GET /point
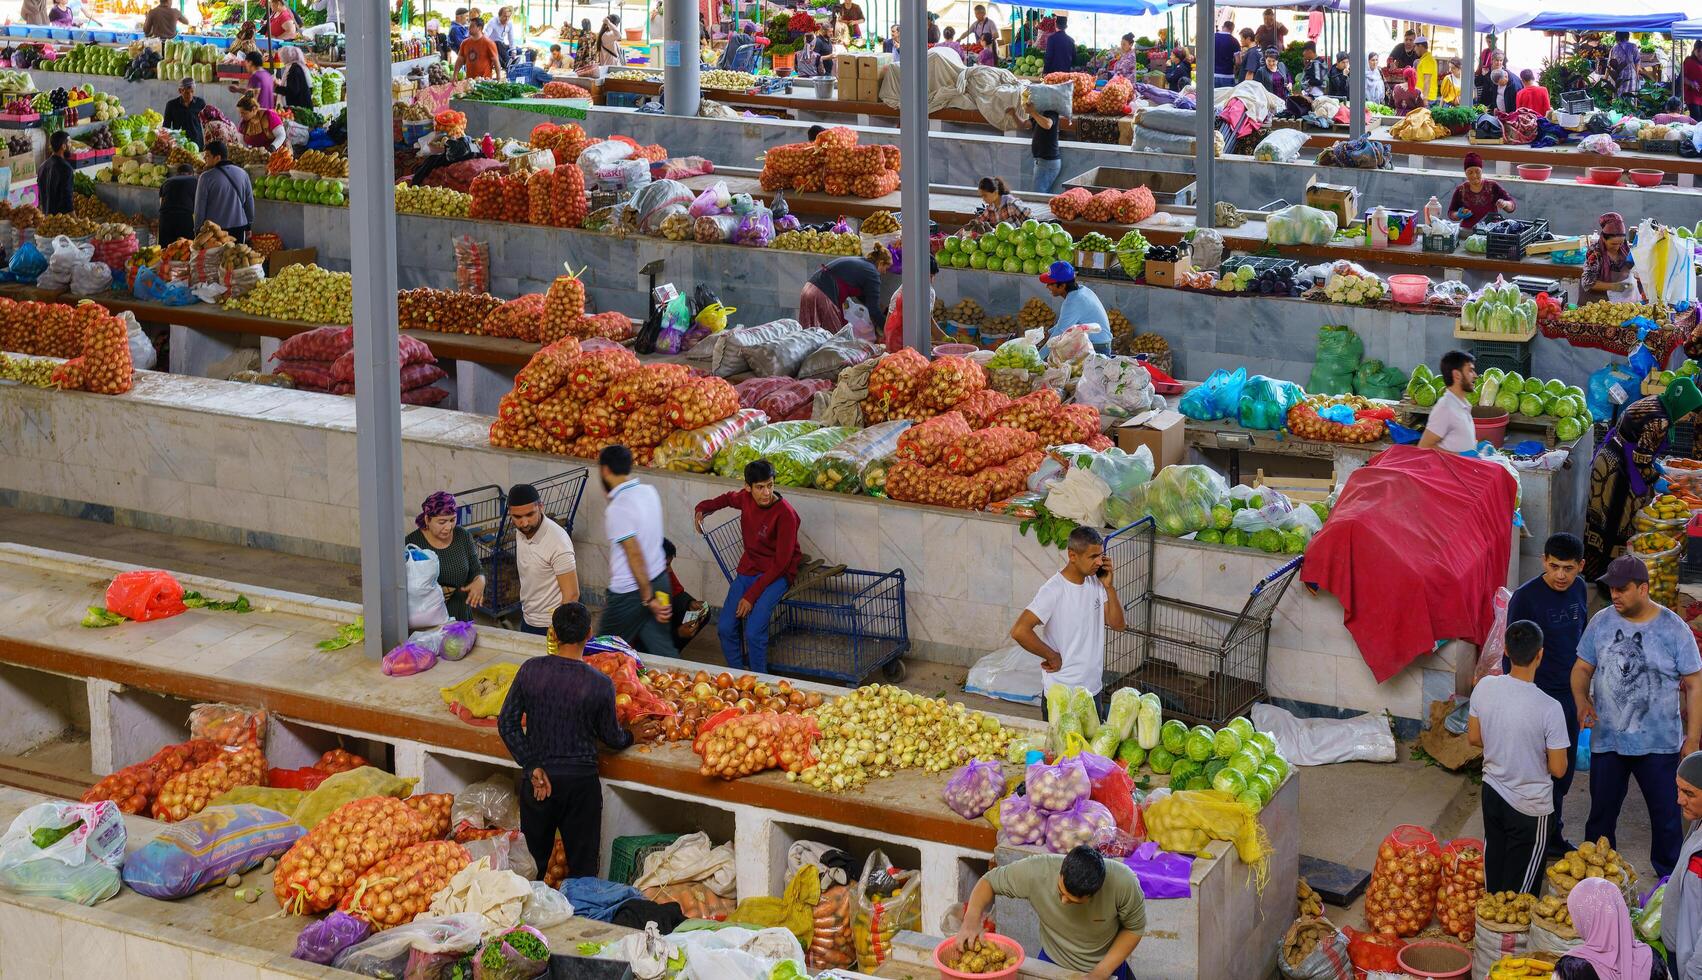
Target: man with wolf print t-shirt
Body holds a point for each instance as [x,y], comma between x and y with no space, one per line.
[1633,661]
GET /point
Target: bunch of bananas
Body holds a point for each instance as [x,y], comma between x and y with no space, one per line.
[1537,966]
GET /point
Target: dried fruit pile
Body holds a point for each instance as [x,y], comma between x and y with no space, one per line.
[834,163]
[443,310]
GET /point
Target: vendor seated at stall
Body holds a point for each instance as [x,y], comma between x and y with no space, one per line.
[1477,198]
[1607,261]
[1091,910]
[1080,306]
[997,204]
[766,568]
[1405,96]
[1622,474]
[1450,427]
[822,302]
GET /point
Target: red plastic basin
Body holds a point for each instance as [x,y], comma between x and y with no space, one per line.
[1535,171]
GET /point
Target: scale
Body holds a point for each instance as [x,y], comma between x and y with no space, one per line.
[1534,285]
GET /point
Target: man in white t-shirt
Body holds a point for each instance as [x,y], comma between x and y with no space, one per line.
[1451,428]
[1522,731]
[543,556]
[1071,612]
[638,569]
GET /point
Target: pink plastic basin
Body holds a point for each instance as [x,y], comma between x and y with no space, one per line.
[1408,288]
[1432,958]
[1605,175]
[1535,171]
[961,350]
[1647,178]
[1010,945]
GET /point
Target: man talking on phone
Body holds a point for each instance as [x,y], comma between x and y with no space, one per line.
[1064,625]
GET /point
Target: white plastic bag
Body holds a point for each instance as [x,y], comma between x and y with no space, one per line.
[1079,496]
[737,953]
[545,907]
[1206,248]
[1011,674]
[647,952]
[1320,741]
[1662,264]
[505,852]
[1299,224]
[861,324]
[386,954]
[492,803]
[81,866]
[89,278]
[1116,386]
[426,607]
[1281,146]
[1072,346]
[142,354]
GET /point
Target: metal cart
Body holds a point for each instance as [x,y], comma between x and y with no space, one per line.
[1207,665]
[841,628]
[483,511]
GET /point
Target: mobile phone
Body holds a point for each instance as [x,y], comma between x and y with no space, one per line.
[1104,568]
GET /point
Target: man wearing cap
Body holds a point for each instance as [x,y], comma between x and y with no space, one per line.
[184,113]
[1341,83]
[1080,306]
[1681,916]
[1425,68]
[1634,660]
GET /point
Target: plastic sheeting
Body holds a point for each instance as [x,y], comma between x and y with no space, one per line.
[1415,548]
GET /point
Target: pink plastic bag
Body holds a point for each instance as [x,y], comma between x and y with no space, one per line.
[1494,646]
[1020,822]
[408,659]
[144,596]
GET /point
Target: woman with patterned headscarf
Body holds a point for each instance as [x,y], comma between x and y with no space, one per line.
[458,568]
[1622,475]
[1607,260]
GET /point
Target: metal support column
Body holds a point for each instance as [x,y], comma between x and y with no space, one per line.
[913,172]
[378,394]
[1356,53]
[680,90]
[1468,51]
[1205,120]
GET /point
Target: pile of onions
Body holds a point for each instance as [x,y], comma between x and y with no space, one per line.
[433,811]
[133,788]
[1402,893]
[339,760]
[739,745]
[319,869]
[879,729]
[396,890]
[1462,886]
[697,697]
[188,793]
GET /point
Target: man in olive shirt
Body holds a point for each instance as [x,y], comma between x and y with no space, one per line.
[1091,911]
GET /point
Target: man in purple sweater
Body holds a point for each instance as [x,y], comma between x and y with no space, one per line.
[557,710]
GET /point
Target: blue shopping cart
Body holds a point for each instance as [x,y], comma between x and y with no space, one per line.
[483,511]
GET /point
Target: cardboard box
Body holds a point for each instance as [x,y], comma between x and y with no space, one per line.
[22,166]
[1126,131]
[1168,273]
[1343,199]
[868,88]
[281,259]
[1160,431]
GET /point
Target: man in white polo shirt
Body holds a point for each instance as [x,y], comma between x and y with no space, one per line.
[638,568]
[543,557]
[1073,608]
[1451,428]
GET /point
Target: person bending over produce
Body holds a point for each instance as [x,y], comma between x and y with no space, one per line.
[822,302]
[766,569]
[1091,910]
[1522,732]
[1477,199]
[997,204]
[1074,607]
[1607,260]
[1681,915]
[892,332]
[1451,428]
[1080,306]
[1622,475]
[557,709]
[1638,684]
[1607,948]
[262,129]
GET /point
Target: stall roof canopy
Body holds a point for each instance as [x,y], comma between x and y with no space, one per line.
[1132,8]
[1493,16]
[1625,15]
[1688,28]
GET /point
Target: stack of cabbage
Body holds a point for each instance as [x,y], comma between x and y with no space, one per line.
[1500,308]
[1234,759]
[1515,395]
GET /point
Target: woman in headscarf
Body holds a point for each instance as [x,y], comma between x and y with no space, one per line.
[1179,73]
[1681,907]
[1477,199]
[1373,79]
[1406,97]
[1607,261]
[1609,950]
[1622,474]
[34,12]
[584,45]
[1127,62]
[458,569]
[298,90]
[609,41]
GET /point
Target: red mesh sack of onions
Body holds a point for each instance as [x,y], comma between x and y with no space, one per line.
[897,376]
[1068,205]
[594,371]
[928,441]
[732,745]
[649,385]
[949,380]
[1402,893]
[981,406]
[1461,887]
[547,371]
[400,887]
[975,451]
[433,810]
[319,869]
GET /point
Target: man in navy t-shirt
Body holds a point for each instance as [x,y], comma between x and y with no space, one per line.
[1558,601]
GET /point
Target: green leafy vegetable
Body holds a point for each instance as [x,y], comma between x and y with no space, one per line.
[46,837]
[98,617]
[347,635]
[196,600]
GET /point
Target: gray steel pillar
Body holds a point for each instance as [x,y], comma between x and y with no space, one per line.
[680,90]
[913,172]
[378,394]
[1205,120]
[1468,51]
[1357,53]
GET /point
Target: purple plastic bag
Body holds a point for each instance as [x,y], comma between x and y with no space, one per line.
[409,658]
[1097,766]
[787,222]
[974,788]
[1080,824]
[321,941]
[1020,822]
[458,640]
[1059,786]
[756,229]
[1162,874]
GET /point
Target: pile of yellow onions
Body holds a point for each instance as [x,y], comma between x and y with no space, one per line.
[877,730]
[319,869]
[400,888]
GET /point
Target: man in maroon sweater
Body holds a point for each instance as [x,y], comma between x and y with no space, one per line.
[766,569]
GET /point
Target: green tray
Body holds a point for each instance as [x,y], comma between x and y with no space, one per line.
[626,856]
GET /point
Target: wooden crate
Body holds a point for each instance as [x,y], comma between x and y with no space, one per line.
[1300,489]
[1462,333]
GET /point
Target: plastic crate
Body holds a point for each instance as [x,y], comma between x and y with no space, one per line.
[1439,243]
[1509,357]
[1260,264]
[483,511]
[627,854]
[1511,247]
[1660,146]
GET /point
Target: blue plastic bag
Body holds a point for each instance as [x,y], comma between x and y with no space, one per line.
[1264,402]
[1610,388]
[201,851]
[1642,359]
[149,286]
[1218,397]
[27,264]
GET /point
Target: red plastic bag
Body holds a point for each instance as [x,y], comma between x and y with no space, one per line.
[1369,952]
[145,596]
[1116,791]
[306,779]
[1402,893]
[632,699]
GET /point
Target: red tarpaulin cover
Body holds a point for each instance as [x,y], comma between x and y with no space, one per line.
[1415,549]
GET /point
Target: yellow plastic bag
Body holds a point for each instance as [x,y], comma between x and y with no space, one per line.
[284,801]
[346,787]
[794,911]
[1183,821]
[483,693]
